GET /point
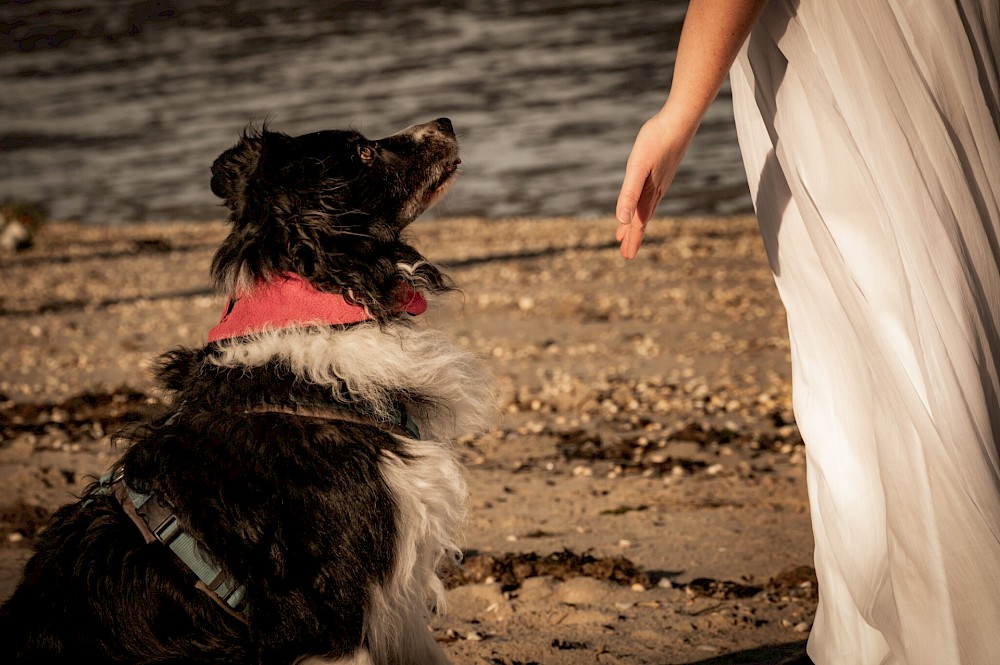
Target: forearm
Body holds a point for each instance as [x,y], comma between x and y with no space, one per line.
[713,32]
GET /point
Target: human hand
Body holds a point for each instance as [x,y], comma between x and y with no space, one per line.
[652,164]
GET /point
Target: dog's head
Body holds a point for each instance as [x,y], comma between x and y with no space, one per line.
[332,206]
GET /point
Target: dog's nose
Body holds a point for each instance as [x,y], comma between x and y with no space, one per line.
[444,124]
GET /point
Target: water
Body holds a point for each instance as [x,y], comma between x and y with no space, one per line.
[115,111]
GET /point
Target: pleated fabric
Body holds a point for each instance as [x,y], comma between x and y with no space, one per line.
[869,131]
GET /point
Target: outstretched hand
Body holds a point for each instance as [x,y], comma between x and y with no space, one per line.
[656,154]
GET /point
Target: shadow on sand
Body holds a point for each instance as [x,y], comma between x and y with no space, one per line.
[793,653]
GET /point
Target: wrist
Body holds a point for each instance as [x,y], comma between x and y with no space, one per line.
[677,120]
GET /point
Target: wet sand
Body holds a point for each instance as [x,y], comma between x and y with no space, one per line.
[643,498]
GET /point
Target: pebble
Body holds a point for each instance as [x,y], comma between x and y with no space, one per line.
[657,457]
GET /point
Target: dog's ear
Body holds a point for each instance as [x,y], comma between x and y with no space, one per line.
[254,169]
[232,168]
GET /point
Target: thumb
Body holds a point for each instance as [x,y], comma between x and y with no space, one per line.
[631,224]
[628,198]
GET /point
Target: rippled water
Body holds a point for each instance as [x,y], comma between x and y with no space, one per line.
[115,111]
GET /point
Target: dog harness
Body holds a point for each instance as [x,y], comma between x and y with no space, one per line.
[289,301]
[400,422]
[156,522]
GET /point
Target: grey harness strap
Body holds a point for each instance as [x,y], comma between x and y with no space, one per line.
[157,522]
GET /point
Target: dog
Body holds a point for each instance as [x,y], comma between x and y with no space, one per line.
[295,500]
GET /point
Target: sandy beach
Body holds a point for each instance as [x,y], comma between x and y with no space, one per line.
[642,499]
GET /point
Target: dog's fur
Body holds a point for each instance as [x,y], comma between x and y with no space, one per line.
[335,527]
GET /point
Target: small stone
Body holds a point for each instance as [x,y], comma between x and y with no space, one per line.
[801,627]
[638,587]
[664,583]
[15,537]
[658,457]
[474,637]
[624,543]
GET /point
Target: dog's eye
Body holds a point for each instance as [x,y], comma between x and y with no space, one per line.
[366,153]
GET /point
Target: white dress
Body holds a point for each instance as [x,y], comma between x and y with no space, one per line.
[869,131]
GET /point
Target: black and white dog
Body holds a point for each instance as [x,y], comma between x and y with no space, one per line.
[297,498]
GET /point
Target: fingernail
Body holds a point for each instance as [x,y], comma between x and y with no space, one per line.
[624,217]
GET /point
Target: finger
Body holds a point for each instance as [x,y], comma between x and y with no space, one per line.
[633,238]
[646,207]
[636,231]
[628,201]
[628,198]
[632,234]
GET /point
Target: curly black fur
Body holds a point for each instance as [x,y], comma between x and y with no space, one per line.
[332,207]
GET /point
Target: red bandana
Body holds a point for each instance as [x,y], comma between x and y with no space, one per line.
[290,301]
